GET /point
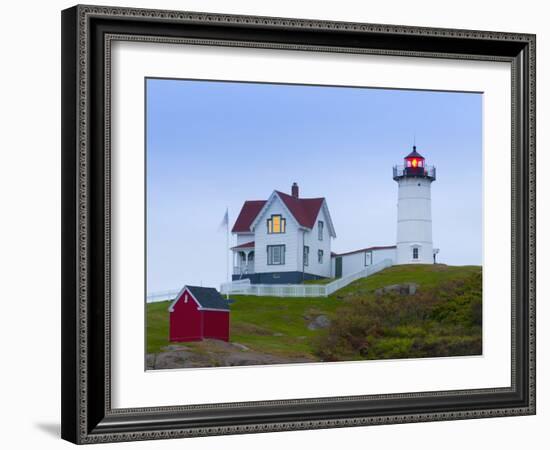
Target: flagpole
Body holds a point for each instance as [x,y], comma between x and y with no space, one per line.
[227,249]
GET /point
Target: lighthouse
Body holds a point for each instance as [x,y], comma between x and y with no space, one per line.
[414,210]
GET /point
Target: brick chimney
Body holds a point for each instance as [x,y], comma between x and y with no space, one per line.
[295,190]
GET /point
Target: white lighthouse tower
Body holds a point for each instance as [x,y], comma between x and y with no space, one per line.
[414,210]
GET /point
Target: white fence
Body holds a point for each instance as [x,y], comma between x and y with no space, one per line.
[162,296]
[244,287]
[367,271]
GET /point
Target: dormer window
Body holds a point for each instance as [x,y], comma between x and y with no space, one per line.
[276,224]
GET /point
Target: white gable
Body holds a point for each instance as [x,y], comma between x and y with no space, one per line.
[328,219]
[273,198]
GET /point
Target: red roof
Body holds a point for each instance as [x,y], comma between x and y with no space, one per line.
[387,247]
[245,245]
[248,213]
[304,210]
[414,154]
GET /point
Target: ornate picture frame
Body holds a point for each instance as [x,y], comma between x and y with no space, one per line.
[87,413]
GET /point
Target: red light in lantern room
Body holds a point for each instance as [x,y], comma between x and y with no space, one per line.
[414,162]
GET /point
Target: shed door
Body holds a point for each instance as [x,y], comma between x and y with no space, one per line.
[338,267]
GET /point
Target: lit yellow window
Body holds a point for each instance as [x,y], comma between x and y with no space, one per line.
[276,224]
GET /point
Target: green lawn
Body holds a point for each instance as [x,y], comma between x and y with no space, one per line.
[428,276]
[279,326]
[158,326]
[320,281]
[272,324]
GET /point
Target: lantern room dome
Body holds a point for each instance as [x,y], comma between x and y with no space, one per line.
[414,166]
[414,154]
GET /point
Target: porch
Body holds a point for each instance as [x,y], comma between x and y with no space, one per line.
[243,259]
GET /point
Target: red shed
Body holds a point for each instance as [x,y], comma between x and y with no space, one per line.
[198,313]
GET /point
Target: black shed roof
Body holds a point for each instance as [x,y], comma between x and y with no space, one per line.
[208,298]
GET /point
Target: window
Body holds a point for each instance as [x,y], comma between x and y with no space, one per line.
[306,255]
[275,255]
[368,258]
[415,253]
[414,163]
[276,224]
[320,256]
[320,226]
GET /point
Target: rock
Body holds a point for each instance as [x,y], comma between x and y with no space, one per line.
[392,288]
[229,355]
[234,359]
[401,289]
[175,348]
[254,359]
[185,359]
[412,288]
[321,321]
[242,347]
[150,361]
[172,360]
[278,334]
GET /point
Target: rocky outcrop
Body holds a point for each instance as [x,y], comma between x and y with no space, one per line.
[401,289]
[212,353]
[319,322]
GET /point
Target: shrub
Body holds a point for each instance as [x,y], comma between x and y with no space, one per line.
[441,321]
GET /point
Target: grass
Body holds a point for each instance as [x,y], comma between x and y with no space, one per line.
[158,326]
[427,276]
[267,324]
[279,326]
[320,281]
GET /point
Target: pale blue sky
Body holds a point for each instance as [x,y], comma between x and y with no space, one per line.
[212,145]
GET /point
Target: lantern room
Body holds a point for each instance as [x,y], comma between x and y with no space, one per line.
[414,165]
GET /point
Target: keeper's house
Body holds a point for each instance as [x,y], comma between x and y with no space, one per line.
[287,239]
[284,239]
[199,313]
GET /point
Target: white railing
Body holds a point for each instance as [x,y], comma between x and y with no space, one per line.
[162,296]
[429,171]
[367,271]
[243,269]
[244,287]
[236,287]
[287,290]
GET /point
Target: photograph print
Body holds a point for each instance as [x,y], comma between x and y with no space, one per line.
[291,223]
